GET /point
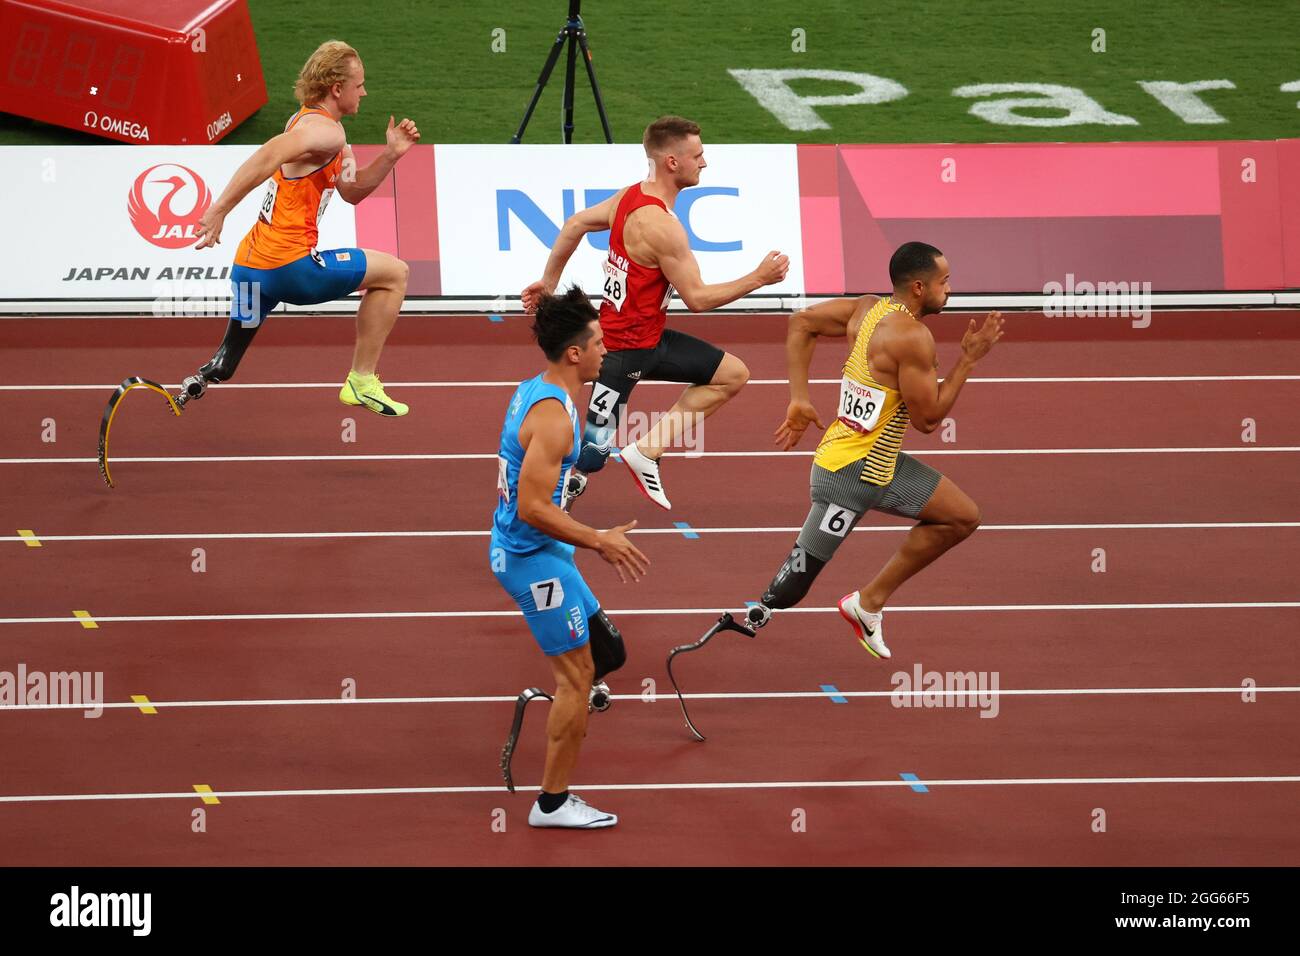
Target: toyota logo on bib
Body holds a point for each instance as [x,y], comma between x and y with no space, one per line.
[166,204]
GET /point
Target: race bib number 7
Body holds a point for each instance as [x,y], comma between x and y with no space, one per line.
[615,285]
[860,405]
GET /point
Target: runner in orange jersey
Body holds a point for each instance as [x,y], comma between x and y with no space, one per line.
[277,261]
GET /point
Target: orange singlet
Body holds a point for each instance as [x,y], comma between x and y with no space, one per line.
[289,219]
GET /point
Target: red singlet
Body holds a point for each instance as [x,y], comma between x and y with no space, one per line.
[636,296]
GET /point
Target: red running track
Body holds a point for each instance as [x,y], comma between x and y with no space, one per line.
[1196,776]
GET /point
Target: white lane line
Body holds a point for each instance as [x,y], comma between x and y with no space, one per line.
[584,788]
[1010,380]
[294,535]
[915,452]
[375,615]
[749,695]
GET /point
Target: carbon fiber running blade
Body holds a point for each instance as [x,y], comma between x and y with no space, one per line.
[508,751]
[724,623]
[111,409]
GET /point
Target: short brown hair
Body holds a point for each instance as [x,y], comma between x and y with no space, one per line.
[330,64]
[667,130]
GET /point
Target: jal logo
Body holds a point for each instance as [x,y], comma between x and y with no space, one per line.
[166,204]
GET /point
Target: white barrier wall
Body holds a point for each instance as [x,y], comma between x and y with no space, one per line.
[117,222]
[499,208]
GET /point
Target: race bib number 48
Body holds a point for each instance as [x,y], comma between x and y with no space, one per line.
[615,285]
[860,405]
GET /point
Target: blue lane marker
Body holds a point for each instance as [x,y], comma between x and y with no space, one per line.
[685,529]
[496,318]
[917,786]
[751,604]
[834,692]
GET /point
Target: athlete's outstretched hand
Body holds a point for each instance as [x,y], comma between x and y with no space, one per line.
[613,546]
[401,137]
[975,344]
[209,228]
[532,295]
[798,417]
[773,268]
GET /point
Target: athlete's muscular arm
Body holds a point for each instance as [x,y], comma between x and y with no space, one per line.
[929,401]
[363,182]
[672,249]
[305,140]
[592,219]
[547,436]
[832,319]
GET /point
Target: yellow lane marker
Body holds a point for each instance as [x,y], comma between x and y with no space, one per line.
[203,790]
[86,620]
[145,706]
[29,538]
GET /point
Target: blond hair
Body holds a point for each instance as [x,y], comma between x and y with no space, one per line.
[330,64]
[667,131]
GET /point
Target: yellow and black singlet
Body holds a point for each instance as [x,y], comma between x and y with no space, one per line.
[871,418]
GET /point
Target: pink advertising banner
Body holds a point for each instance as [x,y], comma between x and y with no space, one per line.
[1015,217]
[1011,218]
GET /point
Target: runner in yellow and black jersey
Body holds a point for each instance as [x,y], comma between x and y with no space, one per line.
[889,381]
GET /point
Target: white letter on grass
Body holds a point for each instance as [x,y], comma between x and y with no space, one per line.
[771,89]
[1080,108]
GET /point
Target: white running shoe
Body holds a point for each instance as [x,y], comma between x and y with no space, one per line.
[868,627]
[574,813]
[645,473]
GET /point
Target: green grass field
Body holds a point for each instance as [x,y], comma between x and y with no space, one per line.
[433,60]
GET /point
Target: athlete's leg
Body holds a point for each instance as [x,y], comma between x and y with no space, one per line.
[250,303]
[839,501]
[567,723]
[619,374]
[608,653]
[947,519]
[714,377]
[385,285]
[694,405]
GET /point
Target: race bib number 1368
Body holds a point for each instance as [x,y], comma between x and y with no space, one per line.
[860,405]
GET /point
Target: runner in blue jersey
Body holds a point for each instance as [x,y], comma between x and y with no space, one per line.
[533,541]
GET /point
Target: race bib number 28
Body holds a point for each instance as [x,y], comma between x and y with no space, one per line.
[267,211]
[324,201]
[860,405]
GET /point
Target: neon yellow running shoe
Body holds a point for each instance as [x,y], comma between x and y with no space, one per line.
[368,391]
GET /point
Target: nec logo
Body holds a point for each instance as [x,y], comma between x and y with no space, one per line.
[531,216]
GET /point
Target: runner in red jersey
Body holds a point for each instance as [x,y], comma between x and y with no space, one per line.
[649,257]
